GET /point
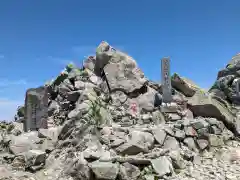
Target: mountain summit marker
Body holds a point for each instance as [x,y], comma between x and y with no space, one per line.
[166,80]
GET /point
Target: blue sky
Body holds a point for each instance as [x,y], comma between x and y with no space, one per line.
[37,38]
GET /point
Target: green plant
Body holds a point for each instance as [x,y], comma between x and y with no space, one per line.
[94,115]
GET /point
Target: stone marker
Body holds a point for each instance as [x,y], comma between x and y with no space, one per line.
[166,80]
[36,106]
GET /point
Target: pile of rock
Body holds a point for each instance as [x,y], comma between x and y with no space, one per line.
[107,121]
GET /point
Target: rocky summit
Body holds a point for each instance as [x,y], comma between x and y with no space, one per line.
[107,121]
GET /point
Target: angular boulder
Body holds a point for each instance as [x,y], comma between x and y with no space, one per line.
[205,106]
[120,69]
[179,84]
[24,143]
[104,170]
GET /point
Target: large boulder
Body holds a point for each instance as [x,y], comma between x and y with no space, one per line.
[205,105]
[182,85]
[120,69]
[24,142]
[225,84]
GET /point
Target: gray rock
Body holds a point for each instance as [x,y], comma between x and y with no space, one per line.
[162,166]
[171,143]
[199,124]
[179,134]
[87,94]
[190,143]
[190,131]
[158,117]
[79,85]
[89,63]
[215,140]
[205,106]
[24,142]
[5,174]
[78,168]
[129,172]
[227,135]
[142,138]
[50,133]
[159,135]
[173,117]
[80,110]
[181,85]
[203,133]
[169,130]
[118,98]
[131,149]
[73,96]
[149,177]
[63,89]
[35,157]
[52,107]
[120,69]
[117,142]
[104,170]
[177,160]
[147,101]
[202,143]
[215,130]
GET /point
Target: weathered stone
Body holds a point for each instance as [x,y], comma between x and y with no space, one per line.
[35,157]
[19,163]
[79,85]
[80,110]
[159,135]
[190,131]
[171,143]
[149,177]
[129,172]
[215,140]
[118,98]
[173,117]
[73,96]
[204,132]
[179,134]
[147,101]
[158,117]
[177,160]
[5,174]
[54,106]
[131,149]
[202,143]
[120,69]
[144,139]
[199,124]
[24,143]
[50,133]
[190,143]
[104,170]
[162,166]
[79,168]
[181,85]
[206,106]
[117,142]
[215,130]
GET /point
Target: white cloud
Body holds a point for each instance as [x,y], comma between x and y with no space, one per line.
[8,108]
